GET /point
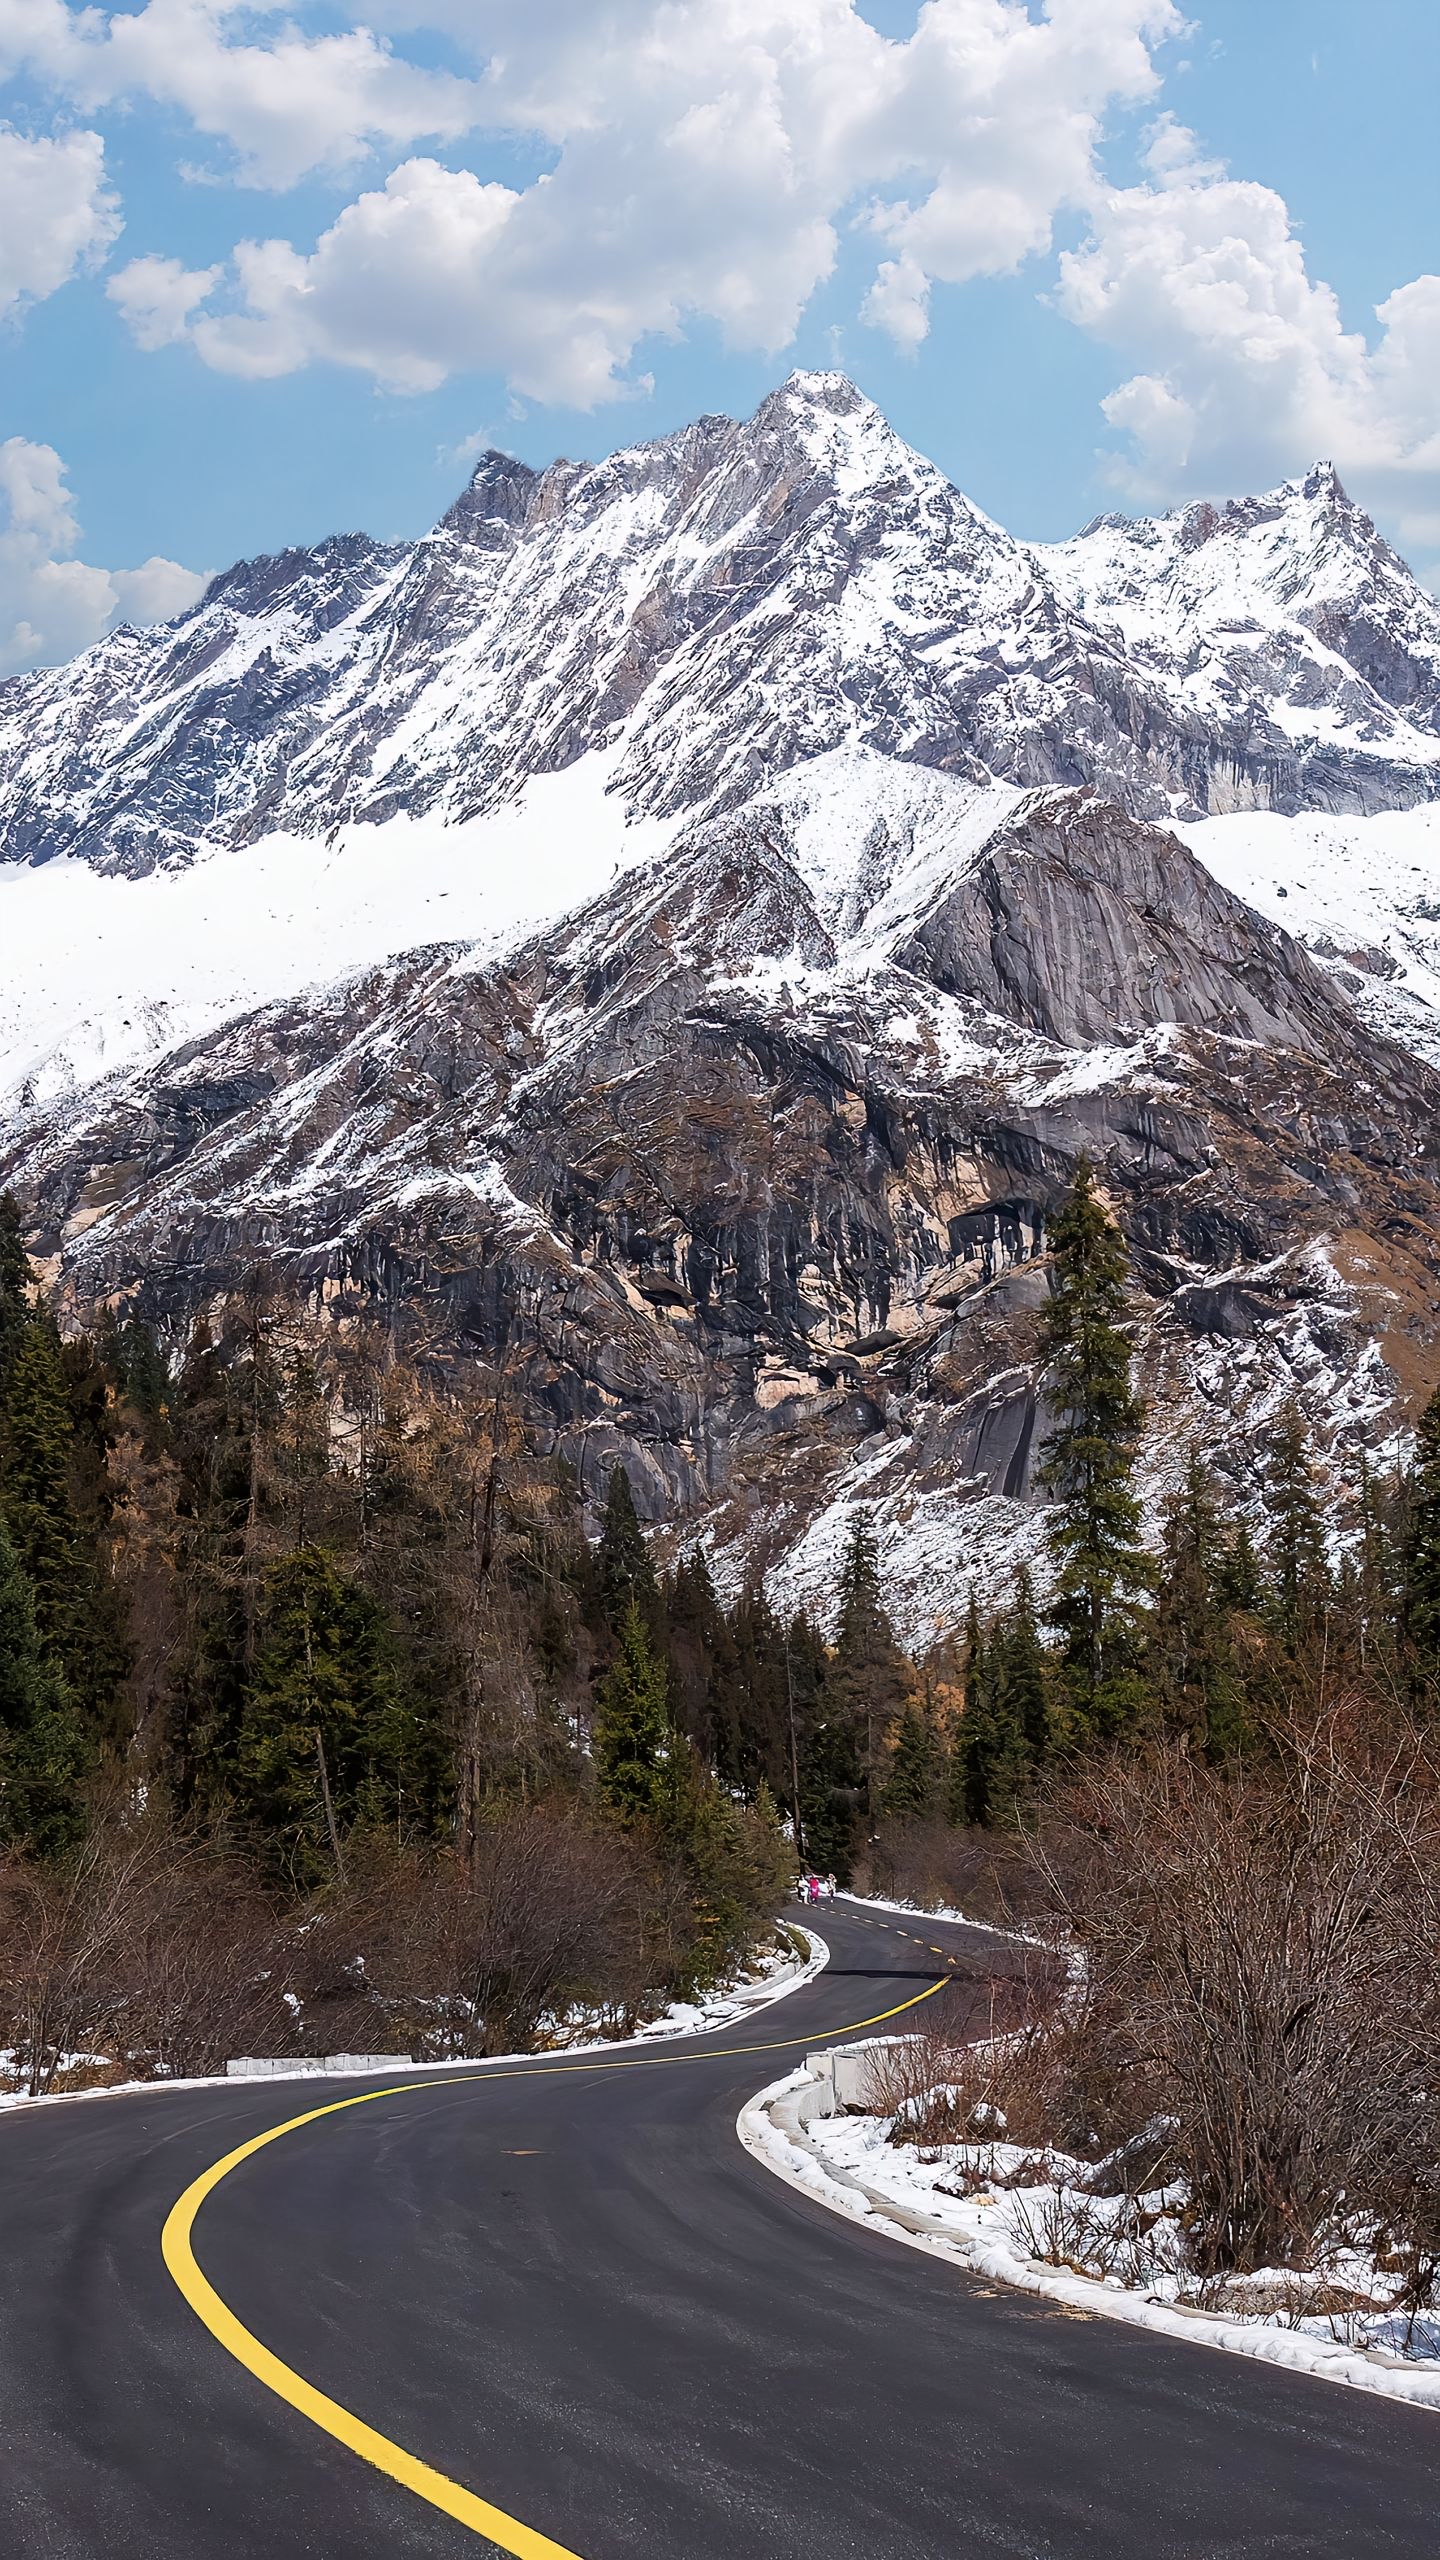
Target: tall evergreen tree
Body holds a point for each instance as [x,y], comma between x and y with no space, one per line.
[915,1787]
[43,1755]
[1193,1670]
[821,1774]
[705,1675]
[140,1368]
[1422,1549]
[767,1686]
[832,1796]
[626,1574]
[1379,1561]
[16,1283]
[1026,1673]
[1295,1546]
[868,1680]
[39,1506]
[961,1788]
[630,1737]
[1239,1575]
[994,1761]
[1102,1570]
[325,1742]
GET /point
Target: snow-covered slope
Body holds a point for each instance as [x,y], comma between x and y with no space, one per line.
[685,918]
[1288,608]
[1362,894]
[104,969]
[715,609]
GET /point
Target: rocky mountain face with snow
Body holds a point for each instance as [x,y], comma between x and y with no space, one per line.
[719,607]
[886,893]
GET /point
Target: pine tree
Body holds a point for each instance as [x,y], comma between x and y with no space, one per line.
[767,1686]
[1192,1658]
[1026,1674]
[139,1369]
[630,1737]
[325,1742]
[831,1796]
[16,1283]
[868,1683]
[915,1785]
[1422,1548]
[1239,1576]
[1379,1562]
[992,1759]
[1102,1571]
[43,1758]
[705,1680]
[731,1856]
[39,1509]
[960,1788]
[626,1574]
[1295,1547]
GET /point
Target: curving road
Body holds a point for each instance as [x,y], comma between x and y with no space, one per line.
[566,2287]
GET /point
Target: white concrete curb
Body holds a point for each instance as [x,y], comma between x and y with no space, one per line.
[729,2006]
[774,2129]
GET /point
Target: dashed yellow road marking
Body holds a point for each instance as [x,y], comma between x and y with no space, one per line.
[505,2532]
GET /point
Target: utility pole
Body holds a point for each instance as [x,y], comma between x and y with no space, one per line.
[794,1755]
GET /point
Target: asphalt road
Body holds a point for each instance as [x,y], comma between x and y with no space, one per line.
[569,2289]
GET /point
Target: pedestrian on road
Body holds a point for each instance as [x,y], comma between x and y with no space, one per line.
[829,1888]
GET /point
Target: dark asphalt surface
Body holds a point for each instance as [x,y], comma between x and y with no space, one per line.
[573,2291]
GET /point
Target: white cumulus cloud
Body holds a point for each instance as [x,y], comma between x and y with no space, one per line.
[285,102]
[704,157]
[1247,370]
[52,603]
[57,213]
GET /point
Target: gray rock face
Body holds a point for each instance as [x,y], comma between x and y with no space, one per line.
[1086,926]
[759,1205]
[717,608]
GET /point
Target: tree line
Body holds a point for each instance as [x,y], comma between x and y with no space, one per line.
[314,1603]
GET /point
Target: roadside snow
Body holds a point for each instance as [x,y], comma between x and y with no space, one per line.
[774,1978]
[919,2197]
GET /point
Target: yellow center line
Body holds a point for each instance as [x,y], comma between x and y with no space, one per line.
[177,2245]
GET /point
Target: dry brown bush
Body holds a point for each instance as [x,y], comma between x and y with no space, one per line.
[151,1952]
[986,1874]
[430,1955]
[1266,1946]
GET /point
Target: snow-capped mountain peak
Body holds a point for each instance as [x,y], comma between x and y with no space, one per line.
[716,608]
[1292,598]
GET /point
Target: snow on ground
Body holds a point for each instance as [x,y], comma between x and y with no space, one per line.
[873,838]
[770,1976]
[1017,2217]
[103,972]
[1363,895]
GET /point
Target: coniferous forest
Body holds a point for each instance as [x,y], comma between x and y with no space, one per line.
[328,1722]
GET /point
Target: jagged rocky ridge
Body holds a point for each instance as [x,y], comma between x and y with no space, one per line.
[747,1169]
[718,607]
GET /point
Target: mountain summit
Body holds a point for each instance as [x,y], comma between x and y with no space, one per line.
[716,607]
[684,919]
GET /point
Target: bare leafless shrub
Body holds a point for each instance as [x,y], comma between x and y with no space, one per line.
[1266,1940]
[203,1961]
[431,1954]
[147,1953]
[1044,2064]
[988,1875]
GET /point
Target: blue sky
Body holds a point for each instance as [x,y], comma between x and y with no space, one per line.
[1086,253]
